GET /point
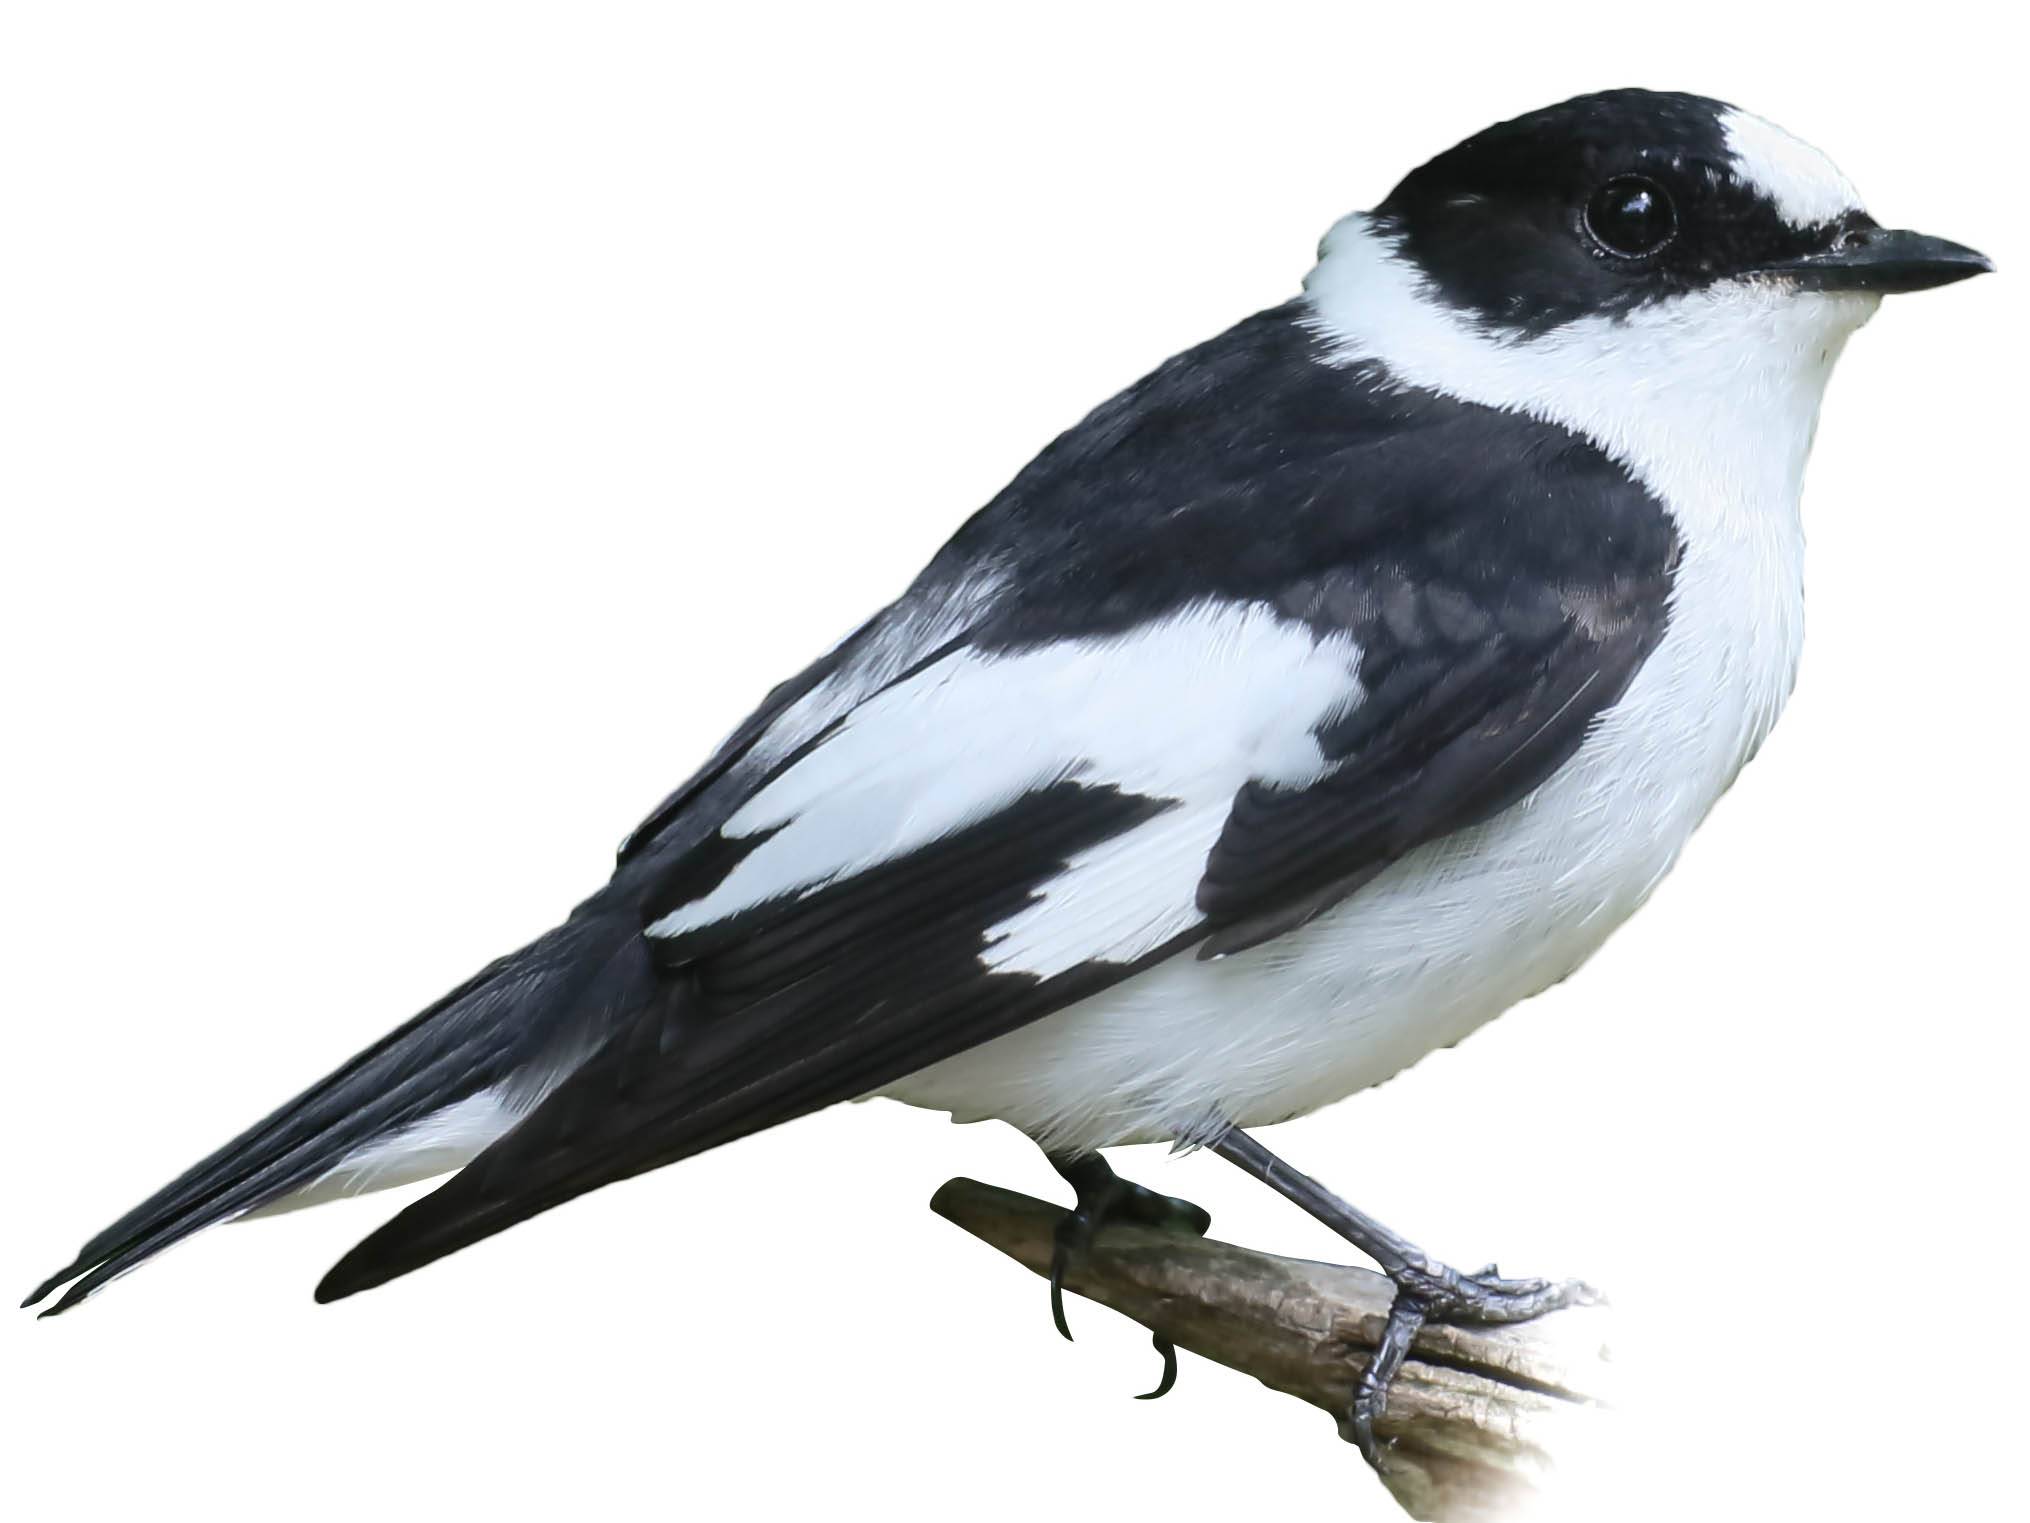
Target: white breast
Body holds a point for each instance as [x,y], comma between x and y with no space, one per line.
[1711,403]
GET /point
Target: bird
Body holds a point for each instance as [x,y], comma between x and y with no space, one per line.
[1343,682]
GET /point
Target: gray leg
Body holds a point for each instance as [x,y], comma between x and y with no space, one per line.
[1426,1290]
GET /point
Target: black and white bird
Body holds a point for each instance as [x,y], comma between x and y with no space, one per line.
[1338,685]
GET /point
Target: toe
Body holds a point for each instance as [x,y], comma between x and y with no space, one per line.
[1496,1285]
[1146,1208]
[1361,1424]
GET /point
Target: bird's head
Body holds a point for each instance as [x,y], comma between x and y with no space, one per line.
[1622,262]
[1613,202]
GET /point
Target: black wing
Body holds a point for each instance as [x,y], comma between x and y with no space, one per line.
[1472,701]
[1257,627]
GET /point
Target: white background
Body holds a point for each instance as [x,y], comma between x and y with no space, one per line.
[427,428]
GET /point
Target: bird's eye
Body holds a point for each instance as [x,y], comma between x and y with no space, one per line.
[1631,216]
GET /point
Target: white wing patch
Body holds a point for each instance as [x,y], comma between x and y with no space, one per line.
[890,653]
[1115,901]
[1188,709]
[1806,187]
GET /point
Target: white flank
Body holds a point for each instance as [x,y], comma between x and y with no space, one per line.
[1186,709]
[1806,186]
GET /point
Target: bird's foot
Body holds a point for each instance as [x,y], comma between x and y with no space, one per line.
[1428,1293]
[1104,1198]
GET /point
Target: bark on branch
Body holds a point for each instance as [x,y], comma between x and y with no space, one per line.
[1475,1417]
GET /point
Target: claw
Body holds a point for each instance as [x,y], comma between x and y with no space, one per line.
[1102,1197]
[1060,1255]
[1169,1352]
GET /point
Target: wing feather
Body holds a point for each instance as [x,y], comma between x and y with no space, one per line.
[1251,632]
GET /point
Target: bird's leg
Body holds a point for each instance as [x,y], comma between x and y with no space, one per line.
[1103,1197]
[1426,1290]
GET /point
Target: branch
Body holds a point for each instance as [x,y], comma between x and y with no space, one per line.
[1475,1416]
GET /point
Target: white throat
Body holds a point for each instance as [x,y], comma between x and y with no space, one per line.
[1710,399]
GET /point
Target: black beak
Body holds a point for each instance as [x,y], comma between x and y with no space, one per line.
[1884,260]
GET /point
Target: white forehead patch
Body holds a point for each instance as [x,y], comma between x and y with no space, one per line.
[1806,186]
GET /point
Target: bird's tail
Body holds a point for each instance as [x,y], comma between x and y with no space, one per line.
[420,1100]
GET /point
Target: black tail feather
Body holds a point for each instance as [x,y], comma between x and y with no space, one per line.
[627,1001]
[482,1034]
